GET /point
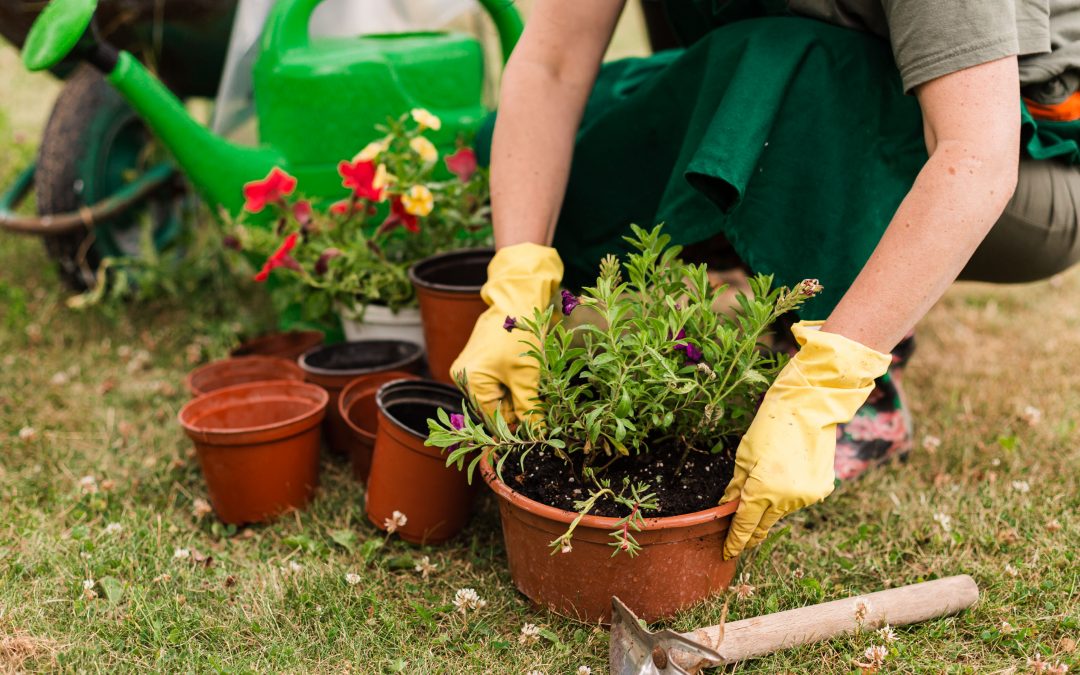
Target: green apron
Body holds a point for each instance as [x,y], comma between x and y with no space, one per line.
[791,137]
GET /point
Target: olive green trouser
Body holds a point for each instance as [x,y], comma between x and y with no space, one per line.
[1038,235]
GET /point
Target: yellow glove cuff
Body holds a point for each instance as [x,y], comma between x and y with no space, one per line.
[522,277]
[834,361]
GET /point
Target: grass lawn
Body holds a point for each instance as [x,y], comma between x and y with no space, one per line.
[97,482]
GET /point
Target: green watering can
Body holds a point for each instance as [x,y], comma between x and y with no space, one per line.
[317,100]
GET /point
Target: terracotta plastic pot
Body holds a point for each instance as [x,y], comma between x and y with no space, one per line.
[680,562]
[408,476]
[288,345]
[332,367]
[258,446]
[357,408]
[448,288]
[230,372]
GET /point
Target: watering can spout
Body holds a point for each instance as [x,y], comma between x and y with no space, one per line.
[217,167]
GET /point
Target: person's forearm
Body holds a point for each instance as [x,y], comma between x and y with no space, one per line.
[958,196]
[531,151]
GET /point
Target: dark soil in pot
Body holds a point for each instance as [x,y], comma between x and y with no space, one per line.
[409,477]
[448,288]
[289,345]
[681,484]
[332,367]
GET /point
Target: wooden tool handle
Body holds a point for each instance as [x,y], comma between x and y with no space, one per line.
[748,638]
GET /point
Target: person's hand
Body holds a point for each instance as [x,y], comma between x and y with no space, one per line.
[521,278]
[785,460]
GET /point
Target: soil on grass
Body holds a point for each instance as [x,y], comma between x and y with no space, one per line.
[680,486]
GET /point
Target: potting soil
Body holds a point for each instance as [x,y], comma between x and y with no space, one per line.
[698,485]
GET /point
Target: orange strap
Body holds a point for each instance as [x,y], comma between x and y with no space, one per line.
[1066,111]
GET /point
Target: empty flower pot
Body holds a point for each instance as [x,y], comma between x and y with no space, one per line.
[448,288]
[334,366]
[408,476]
[681,560]
[258,446]
[289,345]
[230,372]
[357,408]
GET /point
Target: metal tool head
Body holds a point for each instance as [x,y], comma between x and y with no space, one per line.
[636,651]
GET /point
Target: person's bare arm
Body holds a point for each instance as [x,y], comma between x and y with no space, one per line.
[971,120]
[544,89]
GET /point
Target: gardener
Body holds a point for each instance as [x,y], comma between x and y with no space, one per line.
[792,146]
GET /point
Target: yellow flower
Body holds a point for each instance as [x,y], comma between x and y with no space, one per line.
[424,148]
[372,150]
[426,119]
[418,200]
[382,178]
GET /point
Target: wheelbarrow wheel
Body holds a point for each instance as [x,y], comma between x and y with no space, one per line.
[93,144]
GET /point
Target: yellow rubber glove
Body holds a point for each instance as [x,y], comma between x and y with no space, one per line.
[521,278]
[785,460]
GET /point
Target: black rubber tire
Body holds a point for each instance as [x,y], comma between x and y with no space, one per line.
[85,119]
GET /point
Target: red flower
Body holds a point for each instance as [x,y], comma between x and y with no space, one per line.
[276,186]
[280,258]
[342,208]
[359,176]
[301,210]
[399,216]
[462,163]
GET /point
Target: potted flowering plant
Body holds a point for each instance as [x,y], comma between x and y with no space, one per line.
[400,204]
[610,485]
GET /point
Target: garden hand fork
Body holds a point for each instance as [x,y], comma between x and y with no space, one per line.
[636,651]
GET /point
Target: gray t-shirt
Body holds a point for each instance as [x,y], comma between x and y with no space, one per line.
[931,38]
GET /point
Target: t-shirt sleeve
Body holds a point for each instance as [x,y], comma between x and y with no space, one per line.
[931,38]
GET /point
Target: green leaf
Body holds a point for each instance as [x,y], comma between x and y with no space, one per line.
[346,539]
[370,548]
[113,589]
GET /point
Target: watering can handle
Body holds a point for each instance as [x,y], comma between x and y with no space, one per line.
[287,26]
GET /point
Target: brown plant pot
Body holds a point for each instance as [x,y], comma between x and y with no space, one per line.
[408,476]
[258,446]
[289,345]
[448,288]
[332,367]
[357,408]
[680,562]
[234,371]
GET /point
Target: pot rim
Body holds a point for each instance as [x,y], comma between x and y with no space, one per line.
[359,388]
[289,336]
[419,282]
[318,401]
[430,384]
[279,362]
[519,500]
[403,363]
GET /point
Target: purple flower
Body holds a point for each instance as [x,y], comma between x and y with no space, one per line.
[569,302]
[232,242]
[510,324]
[323,263]
[457,421]
[692,352]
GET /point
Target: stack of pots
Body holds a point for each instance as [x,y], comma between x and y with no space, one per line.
[288,345]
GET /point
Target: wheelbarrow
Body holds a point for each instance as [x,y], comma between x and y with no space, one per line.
[96,174]
[318,100]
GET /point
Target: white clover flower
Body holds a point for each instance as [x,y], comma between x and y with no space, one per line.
[1053,525]
[931,443]
[352,578]
[27,433]
[425,567]
[88,484]
[466,599]
[530,633]
[181,554]
[944,520]
[397,519]
[114,528]
[862,610]
[887,634]
[584,670]
[59,378]
[1031,415]
[744,590]
[88,584]
[295,566]
[1011,571]
[200,507]
[876,654]
[1021,486]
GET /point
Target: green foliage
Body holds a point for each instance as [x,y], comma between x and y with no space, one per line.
[358,251]
[658,366]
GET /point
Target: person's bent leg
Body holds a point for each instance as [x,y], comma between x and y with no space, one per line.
[1038,236]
